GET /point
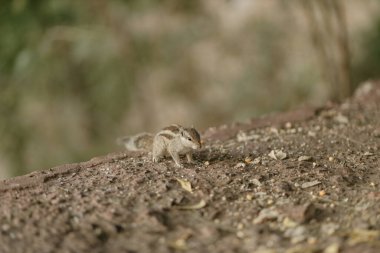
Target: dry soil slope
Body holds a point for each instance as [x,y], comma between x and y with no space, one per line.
[302,181]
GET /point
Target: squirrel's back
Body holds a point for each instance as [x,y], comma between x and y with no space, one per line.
[139,142]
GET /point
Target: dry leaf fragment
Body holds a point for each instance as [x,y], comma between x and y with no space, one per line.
[310,184]
[186,185]
[304,158]
[248,160]
[181,242]
[199,205]
[281,155]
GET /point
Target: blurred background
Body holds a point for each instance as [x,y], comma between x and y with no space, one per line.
[74,75]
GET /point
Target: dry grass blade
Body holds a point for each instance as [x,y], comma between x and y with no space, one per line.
[186,185]
[198,205]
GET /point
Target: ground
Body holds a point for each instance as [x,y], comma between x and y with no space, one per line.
[303,181]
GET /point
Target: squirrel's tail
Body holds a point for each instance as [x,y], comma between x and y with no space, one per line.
[139,142]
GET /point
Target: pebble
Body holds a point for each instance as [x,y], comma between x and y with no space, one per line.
[296,234]
[240,165]
[277,155]
[333,248]
[5,227]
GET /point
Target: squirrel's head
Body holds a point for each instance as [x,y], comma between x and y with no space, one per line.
[191,138]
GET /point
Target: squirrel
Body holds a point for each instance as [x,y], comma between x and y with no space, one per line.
[173,140]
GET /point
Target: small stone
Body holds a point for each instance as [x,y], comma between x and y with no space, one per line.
[249,196]
[340,118]
[277,155]
[311,134]
[255,182]
[5,227]
[322,193]
[240,234]
[329,228]
[256,161]
[240,165]
[288,125]
[289,223]
[332,248]
[296,234]
[207,163]
[331,158]
[274,130]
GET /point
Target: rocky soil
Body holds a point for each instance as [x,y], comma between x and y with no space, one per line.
[302,181]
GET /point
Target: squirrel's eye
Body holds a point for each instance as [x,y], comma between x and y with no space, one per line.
[189,139]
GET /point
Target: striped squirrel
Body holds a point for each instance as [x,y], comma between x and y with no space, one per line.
[173,140]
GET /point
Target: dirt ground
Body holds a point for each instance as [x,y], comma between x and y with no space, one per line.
[302,181]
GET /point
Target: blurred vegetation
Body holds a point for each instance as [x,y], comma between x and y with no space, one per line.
[74,75]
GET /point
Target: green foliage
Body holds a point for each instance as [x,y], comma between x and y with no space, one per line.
[368,63]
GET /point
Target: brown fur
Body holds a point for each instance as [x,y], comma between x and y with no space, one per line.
[173,128]
[167,136]
[194,135]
